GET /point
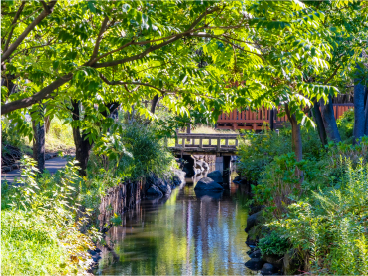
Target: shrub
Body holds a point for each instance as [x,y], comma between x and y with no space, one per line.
[331,225]
[256,151]
[345,124]
[134,153]
[60,136]
[280,185]
[39,227]
[274,244]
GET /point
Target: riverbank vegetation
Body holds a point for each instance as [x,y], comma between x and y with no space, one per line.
[41,223]
[48,222]
[116,79]
[320,217]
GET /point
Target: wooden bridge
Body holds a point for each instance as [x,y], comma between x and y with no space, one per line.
[248,119]
[205,144]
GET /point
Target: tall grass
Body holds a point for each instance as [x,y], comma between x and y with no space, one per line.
[40,227]
[331,225]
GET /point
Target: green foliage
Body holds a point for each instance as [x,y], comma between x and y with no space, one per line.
[10,134]
[331,225]
[154,48]
[60,136]
[256,151]
[135,152]
[116,220]
[39,228]
[345,124]
[273,244]
[281,184]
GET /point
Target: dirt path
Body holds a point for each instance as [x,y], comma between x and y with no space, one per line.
[52,165]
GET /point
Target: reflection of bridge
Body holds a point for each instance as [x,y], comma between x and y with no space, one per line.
[201,144]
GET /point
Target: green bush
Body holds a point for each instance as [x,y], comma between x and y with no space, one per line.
[345,124]
[330,227]
[39,227]
[274,244]
[136,152]
[256,151]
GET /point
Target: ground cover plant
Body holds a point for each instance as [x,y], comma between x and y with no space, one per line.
[40,229]
[320,217]
[330,227]
[80,61]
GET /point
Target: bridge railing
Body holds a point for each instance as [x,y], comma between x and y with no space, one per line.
[201,141]
[248,119]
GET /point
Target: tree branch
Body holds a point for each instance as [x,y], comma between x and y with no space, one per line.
[155,47]
[131,83]
[30,27]
[35,47]
[43,94]
[17,15]
[226,39]
[45,7]
[332,75]
[98,40]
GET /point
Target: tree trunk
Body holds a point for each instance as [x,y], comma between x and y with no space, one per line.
[154,104]
[319,121]
[359,114]
[329,121]
[296,137]
[83,148]
[272,115]
[82,144]
[39,143]
[366,111]
[296,141]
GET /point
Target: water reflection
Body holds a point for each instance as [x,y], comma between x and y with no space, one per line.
[186,235]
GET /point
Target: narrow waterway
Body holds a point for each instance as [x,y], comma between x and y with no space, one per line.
[186,234]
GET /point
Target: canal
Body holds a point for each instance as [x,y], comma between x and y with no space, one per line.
[185,234]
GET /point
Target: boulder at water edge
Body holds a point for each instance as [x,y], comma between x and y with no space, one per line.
[256,254]
[275,260]
[154,191]
[254,264]
[178,178]
[254,220]
[268,269]
[216,176]
[164,188]
[206,183]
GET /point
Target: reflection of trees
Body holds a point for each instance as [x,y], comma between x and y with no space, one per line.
[186,235]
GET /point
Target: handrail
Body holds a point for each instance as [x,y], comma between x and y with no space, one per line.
[248,119]
[203,145]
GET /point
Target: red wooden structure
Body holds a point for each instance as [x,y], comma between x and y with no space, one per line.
[248,119]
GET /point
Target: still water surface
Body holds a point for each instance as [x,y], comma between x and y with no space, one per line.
[187,234]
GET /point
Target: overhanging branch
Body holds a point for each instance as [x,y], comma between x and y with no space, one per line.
[30,27]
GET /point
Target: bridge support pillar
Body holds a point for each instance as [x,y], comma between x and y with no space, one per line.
[226,169]
[219,164]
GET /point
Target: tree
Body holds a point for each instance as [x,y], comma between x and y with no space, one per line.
[102,52]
